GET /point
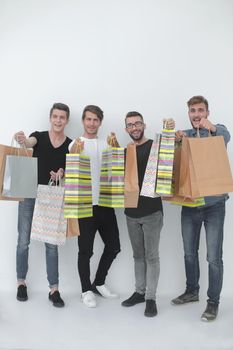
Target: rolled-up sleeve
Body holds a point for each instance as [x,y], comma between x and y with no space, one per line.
[221,130]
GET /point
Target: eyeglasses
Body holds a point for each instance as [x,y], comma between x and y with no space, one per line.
[136,124]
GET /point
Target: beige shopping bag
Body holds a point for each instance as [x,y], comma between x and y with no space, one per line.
[205,168]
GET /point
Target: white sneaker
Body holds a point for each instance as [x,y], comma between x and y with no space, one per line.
[105,292]
[88,299]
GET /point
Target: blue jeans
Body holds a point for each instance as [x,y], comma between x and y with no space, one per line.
[144,234]
[191,221]
[25,214]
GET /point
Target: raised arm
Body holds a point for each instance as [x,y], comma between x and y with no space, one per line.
[22,139]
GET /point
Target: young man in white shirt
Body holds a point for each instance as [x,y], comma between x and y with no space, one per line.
[103,219]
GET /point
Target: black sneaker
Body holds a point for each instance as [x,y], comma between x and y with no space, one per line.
[210,312]
[56,299]
[151,308]
[135,298]
[187,297]
[22,293]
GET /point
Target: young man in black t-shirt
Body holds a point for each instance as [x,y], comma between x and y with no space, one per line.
[50,148]
[144,224]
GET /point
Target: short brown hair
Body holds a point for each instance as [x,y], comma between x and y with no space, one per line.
[61,107]
[133,114]
[198,99]
[95,110]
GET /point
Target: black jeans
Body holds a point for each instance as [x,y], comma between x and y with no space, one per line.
[103,220]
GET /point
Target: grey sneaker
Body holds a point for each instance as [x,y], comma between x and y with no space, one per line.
[187,297]
[135,298]
[210,312]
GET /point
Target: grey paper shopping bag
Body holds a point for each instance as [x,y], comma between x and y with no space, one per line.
[20,177]
[9,150]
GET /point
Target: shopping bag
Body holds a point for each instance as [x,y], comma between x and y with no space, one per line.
[72,229]
[186,202]
[78,188]
[20,176]
[4,151]
[205,167]
[176,199]
[48,223]
[165,163]
[150,176]
[112,178]
[131,177]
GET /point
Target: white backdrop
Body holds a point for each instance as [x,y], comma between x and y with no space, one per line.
[145,55]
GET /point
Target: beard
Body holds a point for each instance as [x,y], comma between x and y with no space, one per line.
[137,137]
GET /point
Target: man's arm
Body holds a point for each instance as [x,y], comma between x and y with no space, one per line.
[216,130]
[22,139]
[221,130]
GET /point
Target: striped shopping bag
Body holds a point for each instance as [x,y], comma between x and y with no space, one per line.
[186,202]
[112,178]
[78,189]
[149,180]
[165,163]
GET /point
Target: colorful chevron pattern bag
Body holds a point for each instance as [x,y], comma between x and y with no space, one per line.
[78,189]
[149,181]
[48,223]
[112,178]
[165,163]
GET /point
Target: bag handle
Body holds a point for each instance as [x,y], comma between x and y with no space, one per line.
[15,145]
[198,133]
[57,182]
[165,124]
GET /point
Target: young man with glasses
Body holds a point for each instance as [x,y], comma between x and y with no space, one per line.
[144,223]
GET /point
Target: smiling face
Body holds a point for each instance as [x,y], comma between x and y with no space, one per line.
[91,124]
[196,112]
[135,127]
[58,120]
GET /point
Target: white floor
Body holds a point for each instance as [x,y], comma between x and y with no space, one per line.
[37,325]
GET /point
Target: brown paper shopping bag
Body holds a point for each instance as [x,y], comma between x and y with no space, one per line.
[205,168]
[5,151]
[131,178]
[72,228]
[176,198]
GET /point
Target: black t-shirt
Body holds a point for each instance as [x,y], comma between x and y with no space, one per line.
[49,158]
[146,205]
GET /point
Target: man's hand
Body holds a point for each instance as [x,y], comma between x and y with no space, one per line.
[206,124]
[179,135]
[169,123]
[23,140]
[112,140]
[20,137]
[55,176]
[77,146]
